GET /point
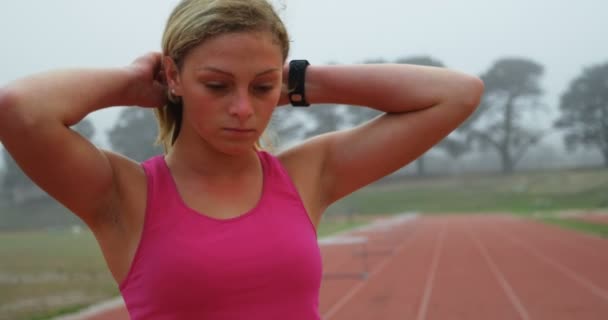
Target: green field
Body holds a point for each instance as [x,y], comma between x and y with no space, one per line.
[522,193]
[48,271]
[45,273]
[588,227]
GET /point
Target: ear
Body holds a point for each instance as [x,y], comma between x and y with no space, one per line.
[172,75]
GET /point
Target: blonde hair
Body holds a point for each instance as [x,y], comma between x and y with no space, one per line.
[194,21]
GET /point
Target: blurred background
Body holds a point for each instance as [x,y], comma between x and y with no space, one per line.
[537,145]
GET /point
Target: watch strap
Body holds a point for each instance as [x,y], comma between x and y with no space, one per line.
[296,83]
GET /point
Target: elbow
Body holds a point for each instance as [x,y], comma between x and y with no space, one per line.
[5,98]
[473,89]
[465,95]
[14,117]
[7,104]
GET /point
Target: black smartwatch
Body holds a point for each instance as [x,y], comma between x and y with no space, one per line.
[295,84]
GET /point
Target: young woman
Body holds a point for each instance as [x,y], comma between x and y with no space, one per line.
[217,228]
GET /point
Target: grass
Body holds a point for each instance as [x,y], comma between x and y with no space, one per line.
[329,227]
[56,313]
[46,273]
[588,227]
[519,193]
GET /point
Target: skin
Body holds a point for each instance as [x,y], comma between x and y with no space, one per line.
[230,86]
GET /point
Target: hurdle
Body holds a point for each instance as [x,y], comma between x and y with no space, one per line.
[387,236]
[384,228]
[348,240]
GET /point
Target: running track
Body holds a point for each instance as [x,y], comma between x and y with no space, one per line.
[461,267]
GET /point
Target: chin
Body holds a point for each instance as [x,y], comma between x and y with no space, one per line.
[236,149]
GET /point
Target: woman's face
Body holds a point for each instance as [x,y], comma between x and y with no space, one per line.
[230,85]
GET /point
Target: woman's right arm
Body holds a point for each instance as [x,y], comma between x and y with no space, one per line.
[35,118]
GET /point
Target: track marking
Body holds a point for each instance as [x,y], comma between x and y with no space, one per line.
[563,269]
[500,277]
[345,299]
[428,288]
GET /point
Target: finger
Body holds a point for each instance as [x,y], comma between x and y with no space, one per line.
[159,74]
[153,56]
[148,58]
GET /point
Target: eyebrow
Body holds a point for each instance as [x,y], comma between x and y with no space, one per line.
[214,69]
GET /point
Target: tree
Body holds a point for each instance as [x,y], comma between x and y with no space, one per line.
[288,125]
[134,133]
[85,128]
[511,91]
[327,119]
[584,111]
[296,124]
[454,147]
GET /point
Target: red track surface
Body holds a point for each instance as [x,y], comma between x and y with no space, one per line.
[464,267]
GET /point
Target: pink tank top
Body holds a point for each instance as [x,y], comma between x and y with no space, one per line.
[264,264]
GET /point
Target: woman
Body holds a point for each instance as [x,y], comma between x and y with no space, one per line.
[216,228]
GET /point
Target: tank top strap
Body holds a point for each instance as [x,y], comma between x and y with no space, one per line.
[279,181]
[275,172]
[160,195]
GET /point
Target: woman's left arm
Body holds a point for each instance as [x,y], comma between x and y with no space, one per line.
[422,105]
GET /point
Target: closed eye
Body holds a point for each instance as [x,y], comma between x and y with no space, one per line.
[216,86]
[263,88]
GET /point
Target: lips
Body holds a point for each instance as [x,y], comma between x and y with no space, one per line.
[239,132]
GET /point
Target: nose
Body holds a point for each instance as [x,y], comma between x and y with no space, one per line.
[242,107]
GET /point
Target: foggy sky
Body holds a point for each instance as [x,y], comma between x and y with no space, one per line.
[467,35]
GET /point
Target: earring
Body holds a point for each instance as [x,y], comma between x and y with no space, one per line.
[174,98]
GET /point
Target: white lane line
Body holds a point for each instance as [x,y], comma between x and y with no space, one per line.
[346,298]
[563,269]
[428,288]
[515,301]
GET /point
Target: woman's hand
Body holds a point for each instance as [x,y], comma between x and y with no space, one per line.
[148,87]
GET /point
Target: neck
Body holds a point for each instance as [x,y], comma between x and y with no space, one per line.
[201,159]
